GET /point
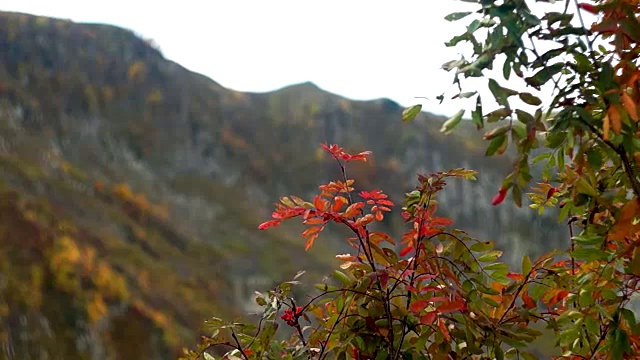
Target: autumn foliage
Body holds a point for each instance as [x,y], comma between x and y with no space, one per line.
[436,293]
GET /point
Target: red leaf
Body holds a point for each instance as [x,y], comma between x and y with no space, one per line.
[440,221]
[551,191]
[379,216]
[385,202]
[318,203]
[426,277]
[412,289]
[502,194]
[590,8]
[384,278]
[445,331]
[528,300]
[406,250]
[268,224]
[428,318]
[419,305]
[452,306]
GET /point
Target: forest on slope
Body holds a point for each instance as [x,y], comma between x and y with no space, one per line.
[131,189]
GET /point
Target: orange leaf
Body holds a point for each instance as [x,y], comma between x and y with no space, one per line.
[379,216]
[319,203]
[311,231]
[614,117]
[606,127]
[339,202]
[310,241]
[364,220]
[558,295]
[630,106]
[515,276]
[353,210]
[314,221]
[625,225]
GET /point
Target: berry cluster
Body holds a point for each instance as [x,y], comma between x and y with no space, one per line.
[290,317]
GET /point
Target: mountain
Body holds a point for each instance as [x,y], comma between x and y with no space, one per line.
[131,189]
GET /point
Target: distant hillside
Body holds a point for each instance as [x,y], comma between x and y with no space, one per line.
[131,189]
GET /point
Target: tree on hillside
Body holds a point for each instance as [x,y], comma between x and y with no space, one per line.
[435,293]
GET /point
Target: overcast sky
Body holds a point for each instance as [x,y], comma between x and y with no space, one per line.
[361,49]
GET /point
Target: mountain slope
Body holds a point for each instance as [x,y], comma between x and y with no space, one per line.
[131,189]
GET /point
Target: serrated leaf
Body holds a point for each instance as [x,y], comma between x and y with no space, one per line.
[410,113]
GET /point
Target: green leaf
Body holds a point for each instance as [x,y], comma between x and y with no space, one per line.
[516,193]
[553,17]
[497,115]
[497,131]
[268,331]
[530,99]
[410,113]
[524,117]
[490,256]
[343,278]
[583,63]
[497,266]
[501,94]
[482,246]
[456,16]
[526,265]
[543,76]
[591,254]
[452,122]
[476,115]
[496,145]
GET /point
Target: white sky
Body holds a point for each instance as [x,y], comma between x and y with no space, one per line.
[360,49]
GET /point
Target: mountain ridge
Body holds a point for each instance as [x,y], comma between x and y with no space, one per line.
[142,184]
